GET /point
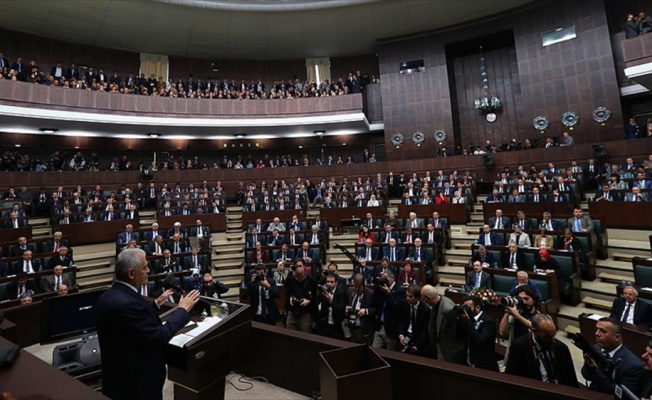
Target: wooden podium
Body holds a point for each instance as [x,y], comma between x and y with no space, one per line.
[198,364]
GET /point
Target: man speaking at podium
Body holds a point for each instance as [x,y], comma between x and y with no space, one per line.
[132,338]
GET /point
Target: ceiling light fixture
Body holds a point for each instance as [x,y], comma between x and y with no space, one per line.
[320,133]
[48,130]
[17,145]
[153,135]
[240,135]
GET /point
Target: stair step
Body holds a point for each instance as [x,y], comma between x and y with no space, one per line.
[446,281]
[629,244]
[234,209]
[458,261]
[571,330]
[147,221]
[89,266]
[147,213]
[597,303]
[39,222]
[97,282]
[227,249]
[234,216]
[234,236]
[231,263]
[619,255]
[607,277]
[227,272]
[44,231]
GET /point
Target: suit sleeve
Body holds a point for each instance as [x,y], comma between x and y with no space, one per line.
[149,329]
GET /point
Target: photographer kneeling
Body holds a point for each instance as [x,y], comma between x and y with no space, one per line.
[519,311]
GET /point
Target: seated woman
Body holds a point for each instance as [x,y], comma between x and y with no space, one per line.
[615,183]
[407,276]
[542,240]
[568,242]
[546,264]
[372,201]
[440,198]
[365,234]
[392,220]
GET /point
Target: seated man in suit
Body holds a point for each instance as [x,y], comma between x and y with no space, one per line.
[305,253]
[196,260]
[487,237]
[127,235]
[628,371]
[314,237]
[154,232]
[536,196]
[368,252]
[477,278]
[362,269]
[322,226]
[413,323]
[177,245]
[408,236]
[538,355]
[110,214]
[438,222]
[167,263]
[521,238]
[53,245]
[606,194]
[14,222]
[276,224]
[499,221]
[284,254]
[432,236]
[200,231]
[630,310]
[177,229]
[480,328]
[296,224]
[636,195]
[523,223]
[513,258]
[21,288]
[485,257]
[26,264]
[384,267]
[516,197]
[53,282]
[420,254]
[393,252]
[548,223]
[522,279]
[413,222]
[63,257]
[275,239]
[253,238]
[641,182]
[22,246]
[389,234]
[156,247]
[557,197]
[494,197]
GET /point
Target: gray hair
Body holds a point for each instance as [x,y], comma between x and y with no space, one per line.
[127,259]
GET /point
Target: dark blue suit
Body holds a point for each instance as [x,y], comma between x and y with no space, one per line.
[492,236]
[132,341]
[628,372]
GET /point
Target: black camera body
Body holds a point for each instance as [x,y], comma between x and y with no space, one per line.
[407,345]
[380,281]
[605,365]
[461,309]
[512,301]
[259,277]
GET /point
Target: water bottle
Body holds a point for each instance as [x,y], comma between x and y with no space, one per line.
[623,284]
[535,269]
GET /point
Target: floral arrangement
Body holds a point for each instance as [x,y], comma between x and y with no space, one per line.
[486,295]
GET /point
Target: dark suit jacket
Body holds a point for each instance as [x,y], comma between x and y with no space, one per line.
[11,291]
[488,258]
[15,250]
[389,305]
[492,236]
[504,219]
[628,372]
[338,304]
[520,260]
[400,255]
[521,362]
[642,311]
[253,291]
[482,338]
[206,231]
[18,266]
[425,255]
[299,254]
[419,336]
[394,235]
[202,260]
[367,321]
[362,252]
[485,280]
[122,237]
[132,341]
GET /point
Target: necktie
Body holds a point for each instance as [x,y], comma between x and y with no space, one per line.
[368,254]
[143,290]
[536,198]
[56,246]
[58,283]
[393,254]
[478,279]
[578,226]
[15,223]
[128,237]
[28,267]
[437,223]
[626,314]
[512,262]
[194,261]
[418,254]
[158,249]
[413,318]
[176,248]
[431,239]
[487,240]
[109,216]
[21,290]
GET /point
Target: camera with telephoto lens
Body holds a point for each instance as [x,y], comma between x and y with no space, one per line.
[511,301]
[259,277]
[322,288]
[380,281]
[461,309]
[605,365]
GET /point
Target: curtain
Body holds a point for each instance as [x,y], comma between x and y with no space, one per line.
[323,67]
[156,64]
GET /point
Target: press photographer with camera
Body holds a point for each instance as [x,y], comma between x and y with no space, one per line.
[519,311]
[414,318]
[301,290]
[388,296]
[360,312]
[626,368]
[480,328]
[538,355]
[262,293]
[332,301]
[332,269]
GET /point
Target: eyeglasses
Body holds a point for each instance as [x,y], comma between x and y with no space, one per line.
[209,282]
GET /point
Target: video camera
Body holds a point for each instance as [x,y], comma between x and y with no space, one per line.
[461,309]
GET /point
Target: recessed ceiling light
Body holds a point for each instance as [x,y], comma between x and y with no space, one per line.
[319,133]
[76,147]
[301,147]
[153,135]
[240,135]
[48,130]
[17,145]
